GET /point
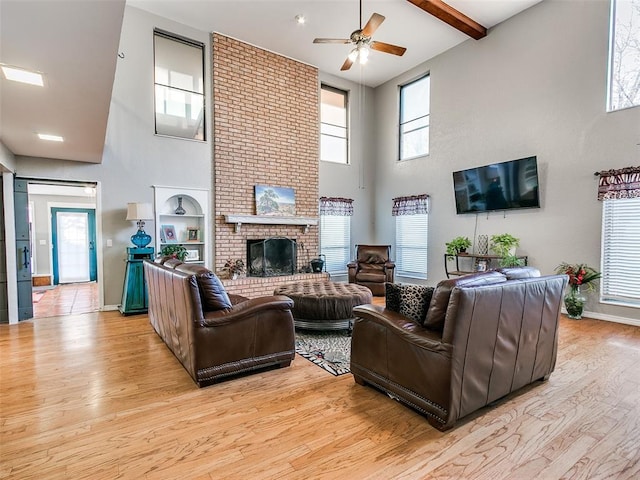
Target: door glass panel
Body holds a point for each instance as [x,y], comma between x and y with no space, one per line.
[73,247]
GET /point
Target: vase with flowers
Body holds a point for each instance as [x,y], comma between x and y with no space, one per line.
[233,268]
[580,276]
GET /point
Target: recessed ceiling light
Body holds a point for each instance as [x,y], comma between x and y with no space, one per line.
[52,138]
[300,19]
[21,75]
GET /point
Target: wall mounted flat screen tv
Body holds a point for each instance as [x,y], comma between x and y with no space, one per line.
[499,186]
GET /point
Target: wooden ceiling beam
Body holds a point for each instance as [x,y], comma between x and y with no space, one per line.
[453,17]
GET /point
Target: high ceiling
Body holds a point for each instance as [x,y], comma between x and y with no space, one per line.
[75,44]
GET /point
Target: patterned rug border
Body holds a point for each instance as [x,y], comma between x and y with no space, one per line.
[331,351]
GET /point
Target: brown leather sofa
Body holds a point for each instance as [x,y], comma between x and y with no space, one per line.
[483,336]
[372,267]
[215,335]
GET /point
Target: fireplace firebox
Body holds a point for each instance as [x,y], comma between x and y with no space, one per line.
[271,257]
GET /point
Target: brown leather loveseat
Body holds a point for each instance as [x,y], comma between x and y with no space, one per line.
[215,335]
[483,336]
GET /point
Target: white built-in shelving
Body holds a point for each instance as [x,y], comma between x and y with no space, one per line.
[195,202]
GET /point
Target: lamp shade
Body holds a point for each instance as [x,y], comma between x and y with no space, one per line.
[139,211]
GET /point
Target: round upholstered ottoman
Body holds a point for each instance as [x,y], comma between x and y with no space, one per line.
[324,305]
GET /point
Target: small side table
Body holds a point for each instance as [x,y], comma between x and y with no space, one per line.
[134,293]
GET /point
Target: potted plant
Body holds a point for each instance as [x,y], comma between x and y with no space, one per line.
[511,261]
[580,275]
[504,245]
[234,268]
[457,245]
[175,251]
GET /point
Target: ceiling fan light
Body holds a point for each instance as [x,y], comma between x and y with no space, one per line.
[353,54]
[363,54]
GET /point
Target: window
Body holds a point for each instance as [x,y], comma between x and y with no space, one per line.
[335,233]
[179,86]
[334,133]
[414,118]
[411,214]
[620,259]
[624,55]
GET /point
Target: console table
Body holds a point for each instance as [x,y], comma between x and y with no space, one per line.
[467,263]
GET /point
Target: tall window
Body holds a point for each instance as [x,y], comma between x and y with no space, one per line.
[334,132]
[620,192]
[624,55]
[179,86]
[414,118]
[411,214]
[335,233]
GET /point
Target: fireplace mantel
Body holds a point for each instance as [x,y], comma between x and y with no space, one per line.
[238,220]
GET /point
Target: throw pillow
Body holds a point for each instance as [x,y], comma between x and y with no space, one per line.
[212,293]
[411,301]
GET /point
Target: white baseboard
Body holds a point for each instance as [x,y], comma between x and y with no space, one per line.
[109,308]
[609,318]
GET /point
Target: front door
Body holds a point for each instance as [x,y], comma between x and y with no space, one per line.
[74,239]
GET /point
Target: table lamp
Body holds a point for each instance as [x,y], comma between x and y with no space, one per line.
[140,212]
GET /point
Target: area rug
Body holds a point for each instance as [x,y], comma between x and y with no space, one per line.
[328,350]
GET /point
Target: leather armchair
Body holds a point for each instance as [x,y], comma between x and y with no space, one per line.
[372,267]
[482,337]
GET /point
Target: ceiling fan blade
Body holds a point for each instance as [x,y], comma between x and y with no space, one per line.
[347,64]
[331,40]
[453,17]
[373,24]
[387,48]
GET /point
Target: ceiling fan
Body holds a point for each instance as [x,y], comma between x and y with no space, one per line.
[361,38]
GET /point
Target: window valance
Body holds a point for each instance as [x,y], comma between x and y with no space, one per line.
[622,183]
[412,205]
[337,206]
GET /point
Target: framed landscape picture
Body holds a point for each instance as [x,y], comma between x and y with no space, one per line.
[275,201]
[192,256]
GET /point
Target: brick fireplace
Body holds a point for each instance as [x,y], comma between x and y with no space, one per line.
[266,131]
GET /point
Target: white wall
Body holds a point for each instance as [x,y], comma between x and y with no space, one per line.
[536,85]
[7,159]
[357,179]
[134,158]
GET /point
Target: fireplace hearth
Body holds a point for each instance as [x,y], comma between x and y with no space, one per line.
[271,257]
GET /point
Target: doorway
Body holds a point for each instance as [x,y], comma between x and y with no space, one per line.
[63,228]
[73,240]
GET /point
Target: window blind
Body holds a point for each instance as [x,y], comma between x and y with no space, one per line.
[335,242]
[620,281]
[411,245]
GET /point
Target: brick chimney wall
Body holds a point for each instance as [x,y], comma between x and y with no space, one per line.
[266,132]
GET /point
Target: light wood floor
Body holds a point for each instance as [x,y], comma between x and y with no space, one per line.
[100,396]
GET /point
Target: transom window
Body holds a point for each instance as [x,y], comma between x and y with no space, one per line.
[334,131]
[624,55]
[414,118]
[179,86]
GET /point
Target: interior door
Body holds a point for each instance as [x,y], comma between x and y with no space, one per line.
[23,246]
[74,239]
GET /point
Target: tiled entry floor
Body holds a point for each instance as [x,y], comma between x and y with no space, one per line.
[67,299]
